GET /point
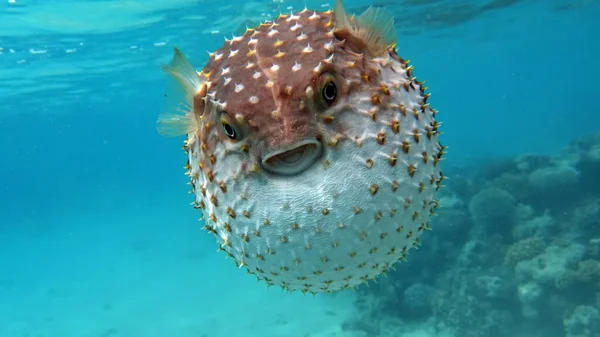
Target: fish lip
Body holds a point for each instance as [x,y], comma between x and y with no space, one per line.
[293,159]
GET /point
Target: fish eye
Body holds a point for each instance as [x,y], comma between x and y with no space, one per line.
[328,90]
[229,130]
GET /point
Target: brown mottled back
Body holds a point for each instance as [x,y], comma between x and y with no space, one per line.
[264,74]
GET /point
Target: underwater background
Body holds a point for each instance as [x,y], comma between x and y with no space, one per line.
[98,238]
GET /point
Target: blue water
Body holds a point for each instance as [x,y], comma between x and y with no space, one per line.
[97,237]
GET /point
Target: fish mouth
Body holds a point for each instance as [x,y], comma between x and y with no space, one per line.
[293,159]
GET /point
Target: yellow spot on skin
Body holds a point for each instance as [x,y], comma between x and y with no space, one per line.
[393,159]
[395,126]
[381,138]
[395,185]
[288,90]
[402,109]
[214,200]
[325,211]
[327,119]
[373,114]
[373,189]
[375,99]
[429,132]
[385,89]
[231,212]
[247,214]
[277,43]
[210,229]
[416,136]
[405,146]
[412,169]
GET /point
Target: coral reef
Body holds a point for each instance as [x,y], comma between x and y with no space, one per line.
[584,321]
[524,250]
[515,252]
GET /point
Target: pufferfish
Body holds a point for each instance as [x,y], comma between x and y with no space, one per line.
[312,151]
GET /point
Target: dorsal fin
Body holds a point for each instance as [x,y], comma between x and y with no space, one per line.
[178,116]
[374,28]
